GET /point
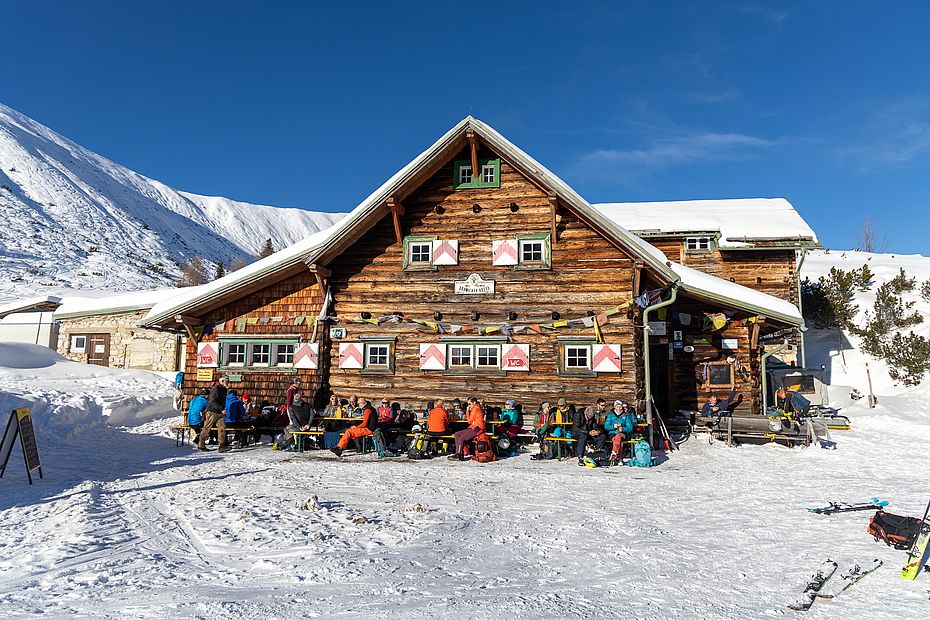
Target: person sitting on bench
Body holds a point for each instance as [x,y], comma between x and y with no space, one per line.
[791,402]
[363,429]
[475,418]
[195,410]
[715,406]
[437,420]
[586,428]
[619,426]
[300,418]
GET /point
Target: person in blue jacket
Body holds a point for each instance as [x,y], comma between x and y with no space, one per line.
[619,425]
[195,410]
[235,411]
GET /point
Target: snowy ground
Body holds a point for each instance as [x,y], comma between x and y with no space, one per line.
[125,524]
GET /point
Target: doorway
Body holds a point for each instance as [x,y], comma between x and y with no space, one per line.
[660,377]
[98,349]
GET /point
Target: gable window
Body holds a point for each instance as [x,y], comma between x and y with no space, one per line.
[487,175]
[262,352]
[699,245]
[420,253]
[78,344]
[533,252]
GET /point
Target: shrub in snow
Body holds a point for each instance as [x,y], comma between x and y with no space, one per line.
[193,273]
[908,358]
[925,291]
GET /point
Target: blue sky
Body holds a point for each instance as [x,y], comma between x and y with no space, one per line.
[314,105]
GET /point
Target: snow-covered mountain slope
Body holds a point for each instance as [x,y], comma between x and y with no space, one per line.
[74,219]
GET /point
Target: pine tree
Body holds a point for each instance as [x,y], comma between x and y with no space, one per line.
[193,273]
[220,271]
[267,249]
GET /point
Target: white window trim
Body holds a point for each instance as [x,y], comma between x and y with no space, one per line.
[274,354]
[497,355]
[245,352]
[532,242]
[586,347]
[471,174]
[484,169]
[251,355]
[387,355]
[77,349]
[465,347]
[429,253]
[698,242]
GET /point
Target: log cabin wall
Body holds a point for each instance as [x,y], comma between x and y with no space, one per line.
[588,273]
[295,296]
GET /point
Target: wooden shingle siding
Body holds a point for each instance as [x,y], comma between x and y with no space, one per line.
[297,295]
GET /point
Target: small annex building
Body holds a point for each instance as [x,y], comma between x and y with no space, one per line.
[30,320]
[475,270]
[105,331]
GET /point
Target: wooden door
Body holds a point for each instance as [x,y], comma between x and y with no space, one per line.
[98,349]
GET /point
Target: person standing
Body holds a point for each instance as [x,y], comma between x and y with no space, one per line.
[474,415]
[365,428]
[215,413]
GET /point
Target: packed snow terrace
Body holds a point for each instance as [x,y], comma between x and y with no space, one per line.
[475,270]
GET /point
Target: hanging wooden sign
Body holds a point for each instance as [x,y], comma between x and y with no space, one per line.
[20,424]
[205,374]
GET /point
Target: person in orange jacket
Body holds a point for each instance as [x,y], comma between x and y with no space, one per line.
[365,428]
[437,420]
[475,418]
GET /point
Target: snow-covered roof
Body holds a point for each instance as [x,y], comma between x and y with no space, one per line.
[316,246]
[740,222]
[729,293]
[104,302]
[31,304]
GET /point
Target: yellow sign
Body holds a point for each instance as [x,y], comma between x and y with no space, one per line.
[205,374]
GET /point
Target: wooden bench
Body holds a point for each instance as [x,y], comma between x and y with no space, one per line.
[180,432]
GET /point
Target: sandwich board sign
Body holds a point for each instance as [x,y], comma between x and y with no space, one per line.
[20,424]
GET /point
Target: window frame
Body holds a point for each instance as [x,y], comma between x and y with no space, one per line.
[546,262]
[472,345]
[248,347]
[477,176]
[567,342]
[409,242]
[698,242]
[72,345]
[367,343]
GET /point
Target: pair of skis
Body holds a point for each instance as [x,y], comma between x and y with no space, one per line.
[835,507]
[915,557]
[815,588]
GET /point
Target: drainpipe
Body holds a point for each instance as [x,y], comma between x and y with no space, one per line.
[765,357]
[803,351]
[646,312]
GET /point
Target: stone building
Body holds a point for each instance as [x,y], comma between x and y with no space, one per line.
[105,331]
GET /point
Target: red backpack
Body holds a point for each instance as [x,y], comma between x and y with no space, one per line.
[484,449]
[894,530]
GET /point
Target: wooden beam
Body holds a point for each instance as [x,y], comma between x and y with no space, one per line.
[397,210]
[553,205]
[187,320]
[322,275]
[754,333]
[473,142]
[637,276]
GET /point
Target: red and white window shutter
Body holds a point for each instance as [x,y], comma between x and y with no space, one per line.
[445,252]
[515,357]
[432,356]
[606,358]
[208,355]
[307,355]
[351,355]
[504,252]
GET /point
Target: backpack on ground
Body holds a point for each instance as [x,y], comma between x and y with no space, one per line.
[484,449]
[894,530]
[380,443]
[598,458]
[642,455]
[419,447]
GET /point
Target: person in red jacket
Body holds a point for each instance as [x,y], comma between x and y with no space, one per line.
[474,415]
[363,429]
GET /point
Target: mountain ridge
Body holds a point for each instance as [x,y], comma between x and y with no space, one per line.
[74,219]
